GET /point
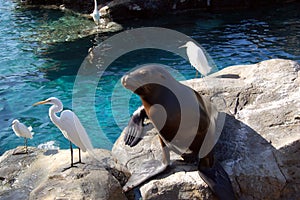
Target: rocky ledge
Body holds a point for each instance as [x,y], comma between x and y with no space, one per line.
[125,9]
[259,148]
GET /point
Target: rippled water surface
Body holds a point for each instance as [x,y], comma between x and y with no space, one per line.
[35,64]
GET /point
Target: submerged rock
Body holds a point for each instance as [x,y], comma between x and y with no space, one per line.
[72,24]
[71,27]
[258,144]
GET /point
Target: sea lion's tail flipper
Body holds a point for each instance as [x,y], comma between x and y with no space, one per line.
[218,181]
[134,130]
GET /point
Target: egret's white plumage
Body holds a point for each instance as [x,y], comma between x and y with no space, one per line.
[69,125]
[197,58]
[22,131]
[96,14]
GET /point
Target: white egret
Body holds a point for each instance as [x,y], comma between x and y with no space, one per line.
[96,14]
[69,125]
[22,131]
[197,58]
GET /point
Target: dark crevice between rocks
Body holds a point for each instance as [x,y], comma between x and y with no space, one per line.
[229,76]
[119,175]
[238,184]
[237,103]
[277,162]
[276,124]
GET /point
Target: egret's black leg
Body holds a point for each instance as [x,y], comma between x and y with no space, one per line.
[72,164]
[79,153]
[25,144]
[71,149]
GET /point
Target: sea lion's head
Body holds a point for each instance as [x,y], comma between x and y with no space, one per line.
[145,79]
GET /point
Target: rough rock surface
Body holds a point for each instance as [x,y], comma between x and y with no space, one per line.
[259,146]
[41,174]
[76,22]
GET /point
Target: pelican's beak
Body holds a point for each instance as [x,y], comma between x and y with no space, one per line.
[40,102]
[182,46]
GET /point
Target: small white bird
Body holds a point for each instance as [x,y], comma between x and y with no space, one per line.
[96,14]
[69,125]
[197,58]
[22,131]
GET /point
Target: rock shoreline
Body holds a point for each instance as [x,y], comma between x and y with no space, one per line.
[259,148]
[125,9]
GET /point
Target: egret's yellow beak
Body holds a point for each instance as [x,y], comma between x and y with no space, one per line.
[40,102]
[183,46]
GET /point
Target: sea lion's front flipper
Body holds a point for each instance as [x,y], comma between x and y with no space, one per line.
[149,168]
[134,130]
[152,168]
[217,180]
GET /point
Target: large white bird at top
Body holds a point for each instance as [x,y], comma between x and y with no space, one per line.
[22,131]
[197,58]
[69,125]
[96,14]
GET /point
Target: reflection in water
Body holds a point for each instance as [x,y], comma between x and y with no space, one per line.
[33,69]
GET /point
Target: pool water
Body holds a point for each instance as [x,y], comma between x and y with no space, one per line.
[36,63]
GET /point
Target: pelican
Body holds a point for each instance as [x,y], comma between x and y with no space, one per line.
[96,14]
[69,125]
[197,58]
[22,131]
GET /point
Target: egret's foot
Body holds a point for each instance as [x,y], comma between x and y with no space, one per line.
[65,169]
[79,162]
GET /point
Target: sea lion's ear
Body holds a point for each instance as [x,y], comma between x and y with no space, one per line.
[162,76]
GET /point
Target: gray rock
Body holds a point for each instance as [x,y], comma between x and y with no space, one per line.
[259,144]
[42,175]
[74,24]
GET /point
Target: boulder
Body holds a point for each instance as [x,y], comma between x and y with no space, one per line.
[259,145]
[42,174]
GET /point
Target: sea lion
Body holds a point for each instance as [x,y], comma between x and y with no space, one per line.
[185,121]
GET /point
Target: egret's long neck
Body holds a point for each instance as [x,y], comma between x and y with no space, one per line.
[55,109]
[96,5]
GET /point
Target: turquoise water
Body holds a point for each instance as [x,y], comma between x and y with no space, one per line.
[34,67]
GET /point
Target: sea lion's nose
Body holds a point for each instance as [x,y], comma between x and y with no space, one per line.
[123,80]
